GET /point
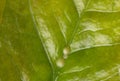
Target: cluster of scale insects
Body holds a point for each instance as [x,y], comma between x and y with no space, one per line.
[66,52]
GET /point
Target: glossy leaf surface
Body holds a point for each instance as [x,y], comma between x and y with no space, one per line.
[60,40]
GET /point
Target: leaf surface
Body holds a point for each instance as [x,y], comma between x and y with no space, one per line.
[60,40]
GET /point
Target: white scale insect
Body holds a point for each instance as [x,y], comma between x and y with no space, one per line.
[60,62]
[66,51]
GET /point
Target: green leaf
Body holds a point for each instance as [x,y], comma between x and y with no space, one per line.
[59,40]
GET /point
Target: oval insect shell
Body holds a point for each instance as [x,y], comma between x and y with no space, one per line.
[66,50]
[60,63]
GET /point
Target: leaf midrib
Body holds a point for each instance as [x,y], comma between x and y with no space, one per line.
[68,43]
[75,30]
[35,26]
[78,22]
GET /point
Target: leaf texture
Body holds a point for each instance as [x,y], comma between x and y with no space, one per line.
[60,40]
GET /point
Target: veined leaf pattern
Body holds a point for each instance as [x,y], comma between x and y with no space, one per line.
[60,40]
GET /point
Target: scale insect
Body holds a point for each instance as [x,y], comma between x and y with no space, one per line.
[66,51]
[60,62]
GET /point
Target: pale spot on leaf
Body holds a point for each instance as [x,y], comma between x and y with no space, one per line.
[102,39]
[66,50]
[80,5]
[60,63]
[24,77]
